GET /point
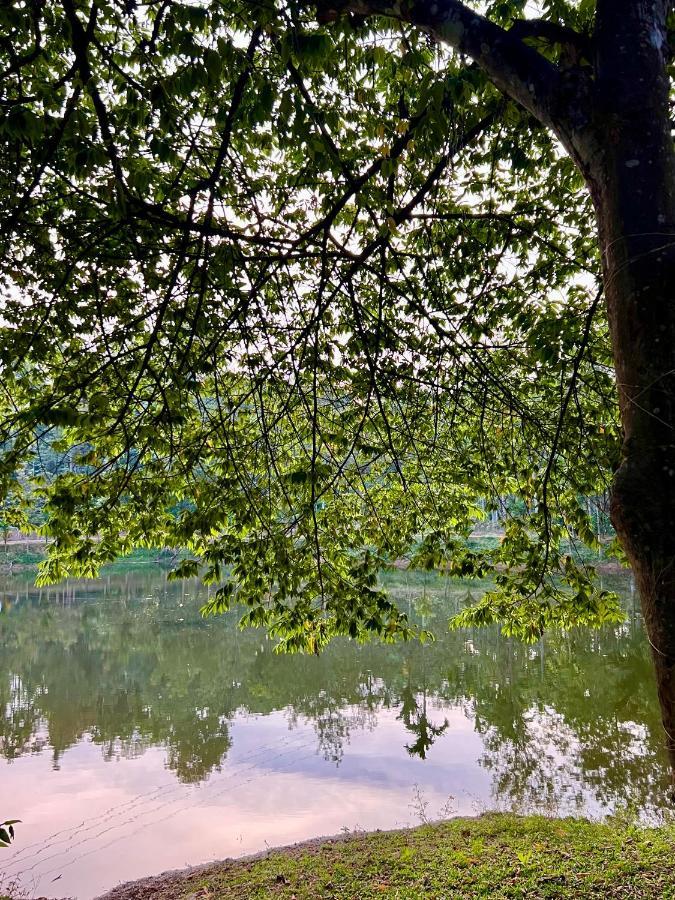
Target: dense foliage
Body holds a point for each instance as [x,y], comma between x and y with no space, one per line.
[303,295]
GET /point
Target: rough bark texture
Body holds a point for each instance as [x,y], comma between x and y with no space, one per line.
[633,187]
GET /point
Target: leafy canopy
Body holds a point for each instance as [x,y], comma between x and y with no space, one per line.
[303,299]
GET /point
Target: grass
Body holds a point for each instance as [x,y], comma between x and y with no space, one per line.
[139,558]
[496,856]
[30,555]
[25,554]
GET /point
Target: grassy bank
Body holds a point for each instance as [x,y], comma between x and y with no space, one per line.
[493,856]
[20,555]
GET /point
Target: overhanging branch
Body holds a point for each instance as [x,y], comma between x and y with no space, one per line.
[514,67]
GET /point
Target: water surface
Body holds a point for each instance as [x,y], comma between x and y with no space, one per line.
[138,737]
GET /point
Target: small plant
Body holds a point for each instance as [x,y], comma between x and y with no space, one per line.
[420,804]
[12,890]
[525,857]
[7,832]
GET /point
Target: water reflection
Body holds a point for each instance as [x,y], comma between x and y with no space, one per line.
[126,665]
[129,662]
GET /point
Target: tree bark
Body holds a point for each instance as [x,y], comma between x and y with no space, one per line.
[632,181]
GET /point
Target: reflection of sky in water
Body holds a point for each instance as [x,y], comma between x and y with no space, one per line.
[130,819]
[180,742]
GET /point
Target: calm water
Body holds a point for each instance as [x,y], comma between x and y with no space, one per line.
[137,737]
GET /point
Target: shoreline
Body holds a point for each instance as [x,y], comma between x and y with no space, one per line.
[501,855]
[150,884]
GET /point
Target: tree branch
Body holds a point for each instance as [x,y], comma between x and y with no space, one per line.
[515,68]
[552,33]
[80,41]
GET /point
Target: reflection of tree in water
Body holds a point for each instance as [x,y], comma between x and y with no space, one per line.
[334,726]
[329,691]
[588,720]
[413,700]
[580,711]
[414,716]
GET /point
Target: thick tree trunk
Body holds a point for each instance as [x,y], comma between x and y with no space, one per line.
[633,185]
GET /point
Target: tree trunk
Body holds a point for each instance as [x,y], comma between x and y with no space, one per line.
[633,186]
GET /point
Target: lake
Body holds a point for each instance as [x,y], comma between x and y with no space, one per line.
[137,736]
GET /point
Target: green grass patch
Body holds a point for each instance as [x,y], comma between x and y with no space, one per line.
[140,558]
[18,554]
[496,856]
[32,554]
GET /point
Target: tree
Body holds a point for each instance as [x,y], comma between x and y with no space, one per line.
[307,284]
